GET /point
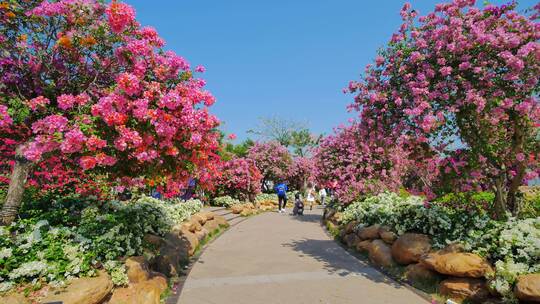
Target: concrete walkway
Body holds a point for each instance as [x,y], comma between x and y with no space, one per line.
[278,258]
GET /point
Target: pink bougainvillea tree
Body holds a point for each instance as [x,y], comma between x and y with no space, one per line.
[354,165]
[272,159]
[461,78]
[239,178]
[89,83]
[301,173]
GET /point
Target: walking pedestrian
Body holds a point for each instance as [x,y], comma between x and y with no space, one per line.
[281,191]
[322,195]
[310,197]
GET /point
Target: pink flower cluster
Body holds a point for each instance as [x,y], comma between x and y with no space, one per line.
[5,119]
[109,99]
[120,16]
[272,159]
[239,178]
[352,165]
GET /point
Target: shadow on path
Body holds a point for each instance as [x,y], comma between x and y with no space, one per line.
[337,260]
[310,218]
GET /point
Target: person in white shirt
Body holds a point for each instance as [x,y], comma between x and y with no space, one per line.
[322,195]
[310,197]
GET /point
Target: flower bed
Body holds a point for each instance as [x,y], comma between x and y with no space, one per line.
[512,247]
[72,238]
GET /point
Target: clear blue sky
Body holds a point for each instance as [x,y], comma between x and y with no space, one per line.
[290,58]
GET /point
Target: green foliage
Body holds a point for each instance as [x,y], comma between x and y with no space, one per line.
[302,140]
[530,203]
[468,201]
[231,150]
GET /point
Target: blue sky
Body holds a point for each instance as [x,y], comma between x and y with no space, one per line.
[288,58]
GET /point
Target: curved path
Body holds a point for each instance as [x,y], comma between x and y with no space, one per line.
[278,258]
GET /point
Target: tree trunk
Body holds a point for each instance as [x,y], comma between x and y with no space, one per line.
[14,197]
[511,200]
[500,198]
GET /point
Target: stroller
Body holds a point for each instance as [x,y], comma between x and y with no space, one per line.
[298,205]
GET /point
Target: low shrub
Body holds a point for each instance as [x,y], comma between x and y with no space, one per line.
[226,201]
[266,197]
[512,246]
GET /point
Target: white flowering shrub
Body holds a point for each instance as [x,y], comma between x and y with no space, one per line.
[412,214]
[32,250]
[226,201]
[267,197]
[512,246]
[175,210]
[118,272]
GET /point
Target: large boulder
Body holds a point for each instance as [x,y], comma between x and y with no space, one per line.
[82,291]
[453,248]
[351,240]
[528,287]
[209,215]
[418,273]
[237,209]
[192,239]
[137,269]
[461,289]
[328,213]
[409,247]
[381,254]
[145,292]
[457,264]
[211,225]
[14,298]
[201,218]
[194,225]
[247,212]
[349,228]
[221,221]
[369,233]
[363,246]
[387,235]
[201,234]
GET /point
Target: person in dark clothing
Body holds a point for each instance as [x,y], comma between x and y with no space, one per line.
[281,191]
[298,205]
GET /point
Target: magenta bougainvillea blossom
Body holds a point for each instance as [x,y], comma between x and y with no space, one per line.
[272,159]
[95,86]
[239,177]
[301,172]
[353,166]
[460,80]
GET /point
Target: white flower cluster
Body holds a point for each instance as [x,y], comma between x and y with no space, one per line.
[175,211]
[226,201]
[266,197]
[29,270]
[118,272]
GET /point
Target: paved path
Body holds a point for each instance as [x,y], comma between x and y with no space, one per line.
[278,258]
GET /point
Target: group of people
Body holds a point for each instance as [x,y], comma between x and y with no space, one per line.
[311,193]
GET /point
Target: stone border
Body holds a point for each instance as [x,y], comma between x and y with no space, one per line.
[174,297]
[381,270]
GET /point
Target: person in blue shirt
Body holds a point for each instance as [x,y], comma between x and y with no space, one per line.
[281,191]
